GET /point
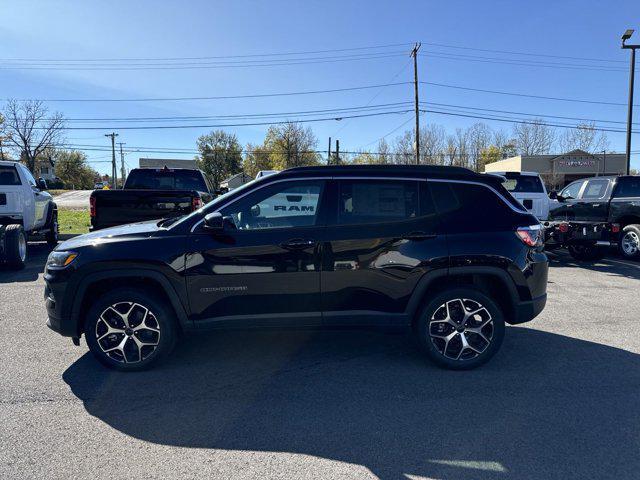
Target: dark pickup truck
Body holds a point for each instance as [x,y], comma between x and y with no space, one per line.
[595,214]
[150,194]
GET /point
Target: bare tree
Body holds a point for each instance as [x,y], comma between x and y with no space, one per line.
[479,138]
[30,130]
[432,143]
[403,150]
[584,137]
[384,152]
[534,138]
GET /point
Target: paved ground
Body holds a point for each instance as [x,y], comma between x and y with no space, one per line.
[75,199]
[560,401]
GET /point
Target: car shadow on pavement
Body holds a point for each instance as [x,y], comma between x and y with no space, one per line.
[547,406]
[610,265]
[37,257]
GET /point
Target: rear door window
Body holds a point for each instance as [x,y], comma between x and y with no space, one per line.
[166,179]
[377,201]
[595,189]
[9,176]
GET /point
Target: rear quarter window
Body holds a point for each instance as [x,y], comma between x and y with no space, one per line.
[469,207]
[9,176]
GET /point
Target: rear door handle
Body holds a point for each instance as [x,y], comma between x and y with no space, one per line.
[297,244]
[418,236]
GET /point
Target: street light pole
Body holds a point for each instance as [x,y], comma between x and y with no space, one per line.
[626,36]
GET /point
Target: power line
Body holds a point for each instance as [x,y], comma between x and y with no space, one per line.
[304,120]
[312,52]
[196,66]
[514,94]
[218,97]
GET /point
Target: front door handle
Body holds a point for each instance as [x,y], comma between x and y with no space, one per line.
[418,236]
[297,244]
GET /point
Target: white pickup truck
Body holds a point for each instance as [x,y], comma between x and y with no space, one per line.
[528,188]
[27,211]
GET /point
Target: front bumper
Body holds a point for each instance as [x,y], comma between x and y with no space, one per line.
[58,319]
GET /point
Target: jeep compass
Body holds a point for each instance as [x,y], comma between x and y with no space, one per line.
[443,251]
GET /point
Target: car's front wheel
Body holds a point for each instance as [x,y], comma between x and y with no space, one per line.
[130,329]
[460,329]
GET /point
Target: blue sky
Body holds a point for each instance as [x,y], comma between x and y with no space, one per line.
[162,29]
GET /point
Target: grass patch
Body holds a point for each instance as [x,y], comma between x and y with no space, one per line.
[73,221]
[55,192]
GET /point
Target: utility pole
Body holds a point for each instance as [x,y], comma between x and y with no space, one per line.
[114,175]
[414,54]
[626,36]
[337,152]
[328,153]
[123,172]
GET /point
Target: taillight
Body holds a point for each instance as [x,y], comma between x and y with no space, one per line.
[615,228]
[92,206]
[531,235]
[563,227]
[196,203]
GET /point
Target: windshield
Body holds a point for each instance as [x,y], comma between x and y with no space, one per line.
[166,179]
[523,183]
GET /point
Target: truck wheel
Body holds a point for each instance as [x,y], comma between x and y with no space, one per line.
[15,242]
[52,233]
[629,244]
[460,329]
[589,253]
[130,329]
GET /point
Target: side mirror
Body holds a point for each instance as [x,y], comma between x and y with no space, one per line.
[553,195]
[214,222]
[41,184]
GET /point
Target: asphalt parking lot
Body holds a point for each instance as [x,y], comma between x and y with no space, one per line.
[560,401]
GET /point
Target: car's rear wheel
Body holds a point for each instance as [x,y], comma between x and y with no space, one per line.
[460,329]
[630,242]
[15,244]
[588,253]
[130,329]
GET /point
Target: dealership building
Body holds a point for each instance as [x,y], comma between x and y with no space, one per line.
[560,170]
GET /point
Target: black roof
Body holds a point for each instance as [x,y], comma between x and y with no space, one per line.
[438,171]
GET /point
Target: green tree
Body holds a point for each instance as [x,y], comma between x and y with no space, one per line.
[256,158]
[291,145]
[489,154]
[71,167]
[220,155]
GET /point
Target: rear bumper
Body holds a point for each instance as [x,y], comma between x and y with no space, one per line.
[528,310]
[568,233]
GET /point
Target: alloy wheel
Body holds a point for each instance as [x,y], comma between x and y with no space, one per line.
[461,329]
[127,332]
[630,243]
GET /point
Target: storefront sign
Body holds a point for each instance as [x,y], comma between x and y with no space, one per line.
[577,163]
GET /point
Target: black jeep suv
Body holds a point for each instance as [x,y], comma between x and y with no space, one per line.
[442,250]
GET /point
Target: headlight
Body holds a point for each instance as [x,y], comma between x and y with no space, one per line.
[59,260]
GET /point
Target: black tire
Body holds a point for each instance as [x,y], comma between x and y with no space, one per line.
[431,326]
[130,301]
[629,244]
[15,244]
[588,253]
[52,233]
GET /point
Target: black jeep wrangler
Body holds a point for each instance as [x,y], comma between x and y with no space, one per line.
[441,250]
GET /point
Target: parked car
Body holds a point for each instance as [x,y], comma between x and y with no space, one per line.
[24,202]
[148,194]
[99,185]
[596,214]
[528,188]
[441,250]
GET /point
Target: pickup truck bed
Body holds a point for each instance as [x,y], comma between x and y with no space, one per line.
[150,194]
